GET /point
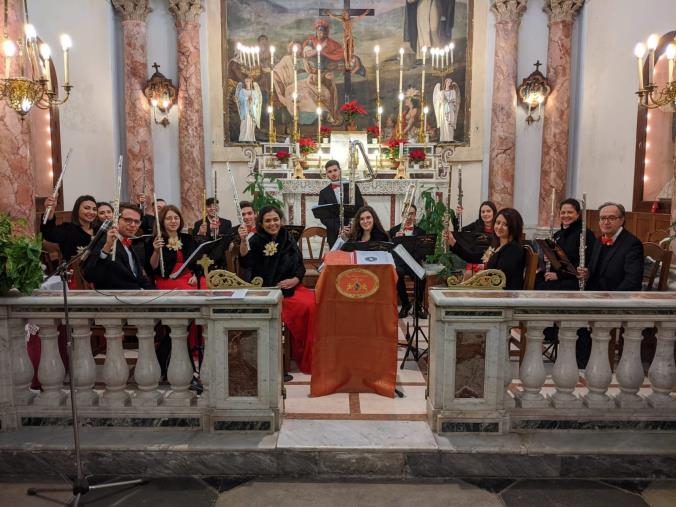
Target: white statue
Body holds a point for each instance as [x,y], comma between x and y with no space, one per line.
[446,107]
[249,104]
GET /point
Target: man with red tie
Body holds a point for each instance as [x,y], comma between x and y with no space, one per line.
[331,195]
[616,262]
[245,232]
[408,228]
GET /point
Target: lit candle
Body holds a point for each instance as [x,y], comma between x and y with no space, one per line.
[653,40]
[400,124]
[380,121]
[671,55]
[401,150]
[66,44]
[272,71]
[401,72]
[9,49]
[319,73]
[639,52]
[422,88]
[271,122]
[31,46]
[319,125]
[46,53]
[552,210]
[377,52]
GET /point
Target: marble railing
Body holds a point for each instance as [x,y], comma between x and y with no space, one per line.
[240,372]
[474,387]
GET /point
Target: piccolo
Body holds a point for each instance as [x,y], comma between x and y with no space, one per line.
[235,195]
[57,187]
[583,239]
[460,195]
[159,234]
[116,204]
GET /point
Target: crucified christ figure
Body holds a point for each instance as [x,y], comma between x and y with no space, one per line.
[348,40]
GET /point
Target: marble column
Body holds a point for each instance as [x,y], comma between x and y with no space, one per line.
[17,192]
[190,121]
[137,109]
[503,112]
[554,168]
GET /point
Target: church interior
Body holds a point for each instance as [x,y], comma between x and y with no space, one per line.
[392,251]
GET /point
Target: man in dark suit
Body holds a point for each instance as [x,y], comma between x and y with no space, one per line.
[408,228]
[126,272]
[330,195]
[615,264]
[215,227]
[148,214]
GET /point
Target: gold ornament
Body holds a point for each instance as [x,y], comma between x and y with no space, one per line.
[174,244]
[487,254]
[270,249]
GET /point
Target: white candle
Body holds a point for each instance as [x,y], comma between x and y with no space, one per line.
[671,55]
[319,73]
[422,88]
[380,121]
[653,40]
[552,210]
[319,125]
[639,51]
[400,118]
[452,46]
[401,150]
[9,49]
[377,52]
[272,71]
[401,70]
[425,111]
[66,44]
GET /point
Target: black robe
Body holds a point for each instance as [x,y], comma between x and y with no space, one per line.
[107,274]
[510,259]
[328,196]
[618,267]
[569,241]
[286,262]
[67,235]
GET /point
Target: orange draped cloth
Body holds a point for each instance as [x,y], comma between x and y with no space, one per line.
[355,346]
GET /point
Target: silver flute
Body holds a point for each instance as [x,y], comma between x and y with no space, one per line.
[583,239]
[235,195]
[57,187]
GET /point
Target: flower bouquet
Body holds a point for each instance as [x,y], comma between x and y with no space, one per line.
[417,156]
[351,111]
[374,131]
[283,157]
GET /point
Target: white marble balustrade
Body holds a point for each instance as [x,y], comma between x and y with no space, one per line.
[558,395]
[128,392]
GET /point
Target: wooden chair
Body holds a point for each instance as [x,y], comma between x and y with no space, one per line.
[313,258]
[659,269]
[531,268]
[659,235]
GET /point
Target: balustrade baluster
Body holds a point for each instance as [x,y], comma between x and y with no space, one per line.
[84,366]
[532,371]
[598,373]
[204,368]
[180,370]
[630,370]
[51,370]
[22,368]
[565,373]
[115,368]
[147,370]
[662,372]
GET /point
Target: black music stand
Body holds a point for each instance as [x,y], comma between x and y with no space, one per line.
[418,247]
[295,231]
[327,211]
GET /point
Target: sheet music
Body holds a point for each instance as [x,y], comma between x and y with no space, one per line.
[410,261]
[234,294]
[197,251]
[378,257]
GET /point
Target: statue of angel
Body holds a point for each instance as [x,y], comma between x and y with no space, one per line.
[446,107]
[249,104]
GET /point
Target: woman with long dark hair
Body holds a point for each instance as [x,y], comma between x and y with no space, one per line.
[484,223]
[366,226]
[70,236]
[273,254]
[506,254]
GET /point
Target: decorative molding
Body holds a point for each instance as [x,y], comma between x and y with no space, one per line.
[490,279]
[562,10]
[375,187]
[186,11]
[509,11]
[132,10]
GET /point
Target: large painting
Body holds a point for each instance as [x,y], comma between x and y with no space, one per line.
[347,47]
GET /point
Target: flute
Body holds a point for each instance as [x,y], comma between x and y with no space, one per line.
[548,264]
[57,187]
[159,233]
[583,240]
[235,194]
[447,218]
[143,188]
[460,195]
[116,204]
[204,207]
[215,181]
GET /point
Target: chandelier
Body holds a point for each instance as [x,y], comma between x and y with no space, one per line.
[32,86]
[650,95]
[161,93]
[533,91]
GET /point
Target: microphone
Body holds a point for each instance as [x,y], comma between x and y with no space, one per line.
[102,231]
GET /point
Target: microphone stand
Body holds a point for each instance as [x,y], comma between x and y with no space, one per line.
[80,485]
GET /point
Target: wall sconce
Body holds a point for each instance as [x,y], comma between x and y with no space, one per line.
[533,92]
[161,93]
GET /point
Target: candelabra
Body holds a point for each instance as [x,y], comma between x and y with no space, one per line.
[33,85]
[650,95]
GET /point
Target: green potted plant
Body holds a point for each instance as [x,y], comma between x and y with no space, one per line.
[259,196]
[19,257]
[433,221]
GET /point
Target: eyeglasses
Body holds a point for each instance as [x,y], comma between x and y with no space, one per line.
[131,220]
[608,219]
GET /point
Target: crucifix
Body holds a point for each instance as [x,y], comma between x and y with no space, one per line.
[346,16]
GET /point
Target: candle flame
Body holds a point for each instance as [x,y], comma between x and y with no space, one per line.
[639,50]
[66,42]
[8,48]
[653,40]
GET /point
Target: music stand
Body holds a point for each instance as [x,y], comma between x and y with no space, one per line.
[367,246]
[295,231]
[327,211]
[556,256]
[418,247]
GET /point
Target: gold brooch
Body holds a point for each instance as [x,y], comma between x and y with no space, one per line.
[174,244]
[487,254]
[270,249]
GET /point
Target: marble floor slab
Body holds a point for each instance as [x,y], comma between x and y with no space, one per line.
[298,401]
[413,402]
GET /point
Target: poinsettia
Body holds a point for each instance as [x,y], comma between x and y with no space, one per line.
[373,130]
[307,145]
[283,156]
[325,131]
[352,109]
[417,156]
[393,147]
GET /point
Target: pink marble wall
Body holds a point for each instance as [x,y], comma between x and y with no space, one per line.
[17,192]
[190,122]
[554,168]
[137,109]
[503,115]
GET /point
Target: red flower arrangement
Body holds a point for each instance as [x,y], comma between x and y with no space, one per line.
[352,109]
[325,131]
[307,145]
[417,156]
[393,146]
[283,156]
[373,130]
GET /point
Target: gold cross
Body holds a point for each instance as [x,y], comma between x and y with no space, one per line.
[205,262]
